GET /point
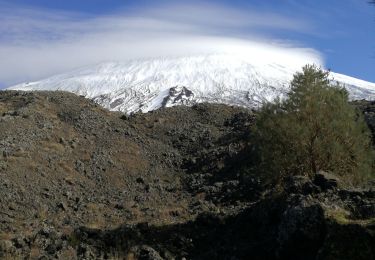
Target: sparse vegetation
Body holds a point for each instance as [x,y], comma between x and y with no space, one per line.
[170,184]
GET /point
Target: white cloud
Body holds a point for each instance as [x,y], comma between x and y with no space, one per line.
[38,43]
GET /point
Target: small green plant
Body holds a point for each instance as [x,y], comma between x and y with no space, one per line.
[314,128]
[74,240]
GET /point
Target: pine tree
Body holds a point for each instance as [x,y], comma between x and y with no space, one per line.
[313,129]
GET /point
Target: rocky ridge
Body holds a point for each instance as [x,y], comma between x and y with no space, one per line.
[80,182]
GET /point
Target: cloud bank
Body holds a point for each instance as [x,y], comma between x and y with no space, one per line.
[38,43]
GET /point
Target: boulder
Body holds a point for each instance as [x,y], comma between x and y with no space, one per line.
[326,181]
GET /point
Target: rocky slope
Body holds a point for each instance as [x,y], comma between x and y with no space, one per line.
[80,182]
[229,78]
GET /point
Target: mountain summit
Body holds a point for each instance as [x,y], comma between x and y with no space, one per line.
[146,85]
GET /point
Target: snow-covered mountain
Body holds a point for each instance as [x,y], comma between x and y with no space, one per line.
[145,85]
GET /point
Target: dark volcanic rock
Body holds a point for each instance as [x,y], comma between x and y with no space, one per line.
[80,182]
[301,231]
[326,181]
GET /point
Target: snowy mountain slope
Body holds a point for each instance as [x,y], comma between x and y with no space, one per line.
[145,85]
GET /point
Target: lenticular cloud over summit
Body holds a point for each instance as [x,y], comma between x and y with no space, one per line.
[261,52]
[39,43]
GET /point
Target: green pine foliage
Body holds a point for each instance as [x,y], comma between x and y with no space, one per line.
[313,129]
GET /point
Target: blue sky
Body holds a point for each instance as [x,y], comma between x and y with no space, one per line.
[39,38]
